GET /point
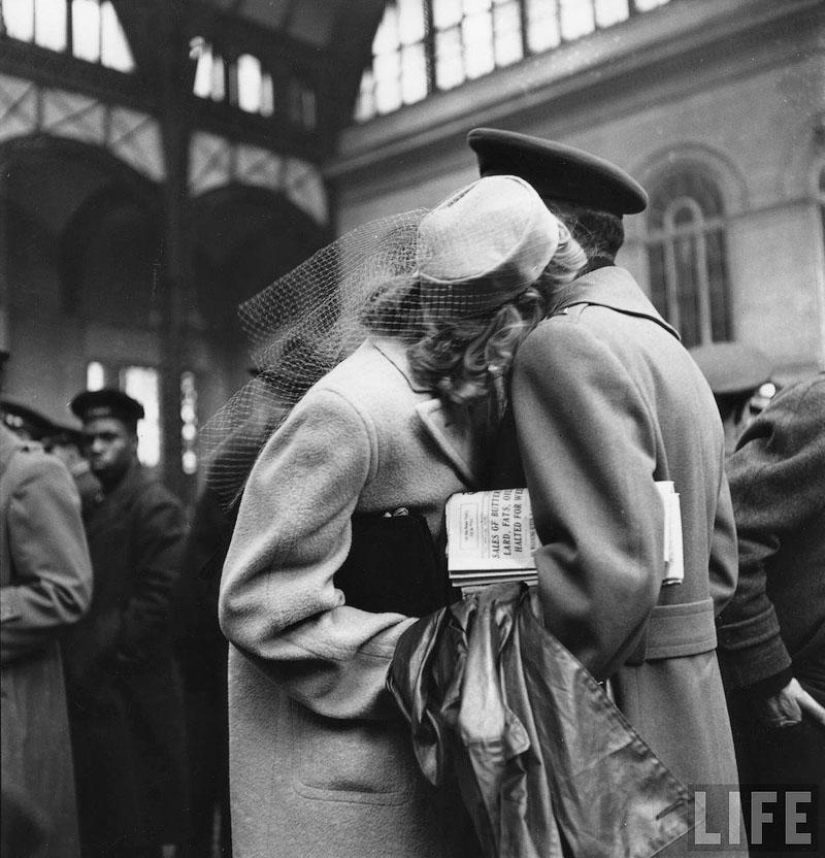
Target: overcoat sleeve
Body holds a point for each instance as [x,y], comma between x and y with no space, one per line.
[158,535]
[587,442]
[777,480]
[723,565]
[51,571]
[278,602]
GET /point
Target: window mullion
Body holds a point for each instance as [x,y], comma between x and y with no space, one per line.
[525,42]
[429,45]
[703,284]
[69,29]
[671,282]
[100,31]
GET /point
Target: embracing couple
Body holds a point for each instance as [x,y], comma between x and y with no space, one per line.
[503,348]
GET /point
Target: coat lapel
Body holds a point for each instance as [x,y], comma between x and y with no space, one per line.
[454,437]
[450,429]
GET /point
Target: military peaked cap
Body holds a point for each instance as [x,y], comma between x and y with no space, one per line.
[108,402]
[558,172]
[22,418]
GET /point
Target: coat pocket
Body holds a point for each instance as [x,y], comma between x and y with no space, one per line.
[355,761]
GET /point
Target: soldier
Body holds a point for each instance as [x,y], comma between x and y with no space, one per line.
[45,586]
[124,690]
[606,403]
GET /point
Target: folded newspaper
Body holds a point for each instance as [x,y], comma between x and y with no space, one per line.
[491,538]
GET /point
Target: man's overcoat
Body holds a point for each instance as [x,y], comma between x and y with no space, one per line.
[321,761]
[124,690]
[606,402]
[45,585]
[777,477]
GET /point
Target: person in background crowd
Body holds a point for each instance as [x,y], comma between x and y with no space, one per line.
[202,652]
[66,443]
[772,633]
[605,403]
[45,587]
[735,373]
[124,689]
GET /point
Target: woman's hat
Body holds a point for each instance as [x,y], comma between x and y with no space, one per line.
[476,250]
[484,245]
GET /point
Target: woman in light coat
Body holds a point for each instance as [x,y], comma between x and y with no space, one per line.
[321,762]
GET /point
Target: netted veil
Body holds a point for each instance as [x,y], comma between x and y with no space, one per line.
[299,327]
[479,248]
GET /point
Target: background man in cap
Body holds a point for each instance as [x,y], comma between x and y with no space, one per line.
[605,403]
[68,443]
[26,422]
[735,372]
[65,442]
[124,692]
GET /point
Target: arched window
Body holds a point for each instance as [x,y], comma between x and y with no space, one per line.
[688,257]
[425,46]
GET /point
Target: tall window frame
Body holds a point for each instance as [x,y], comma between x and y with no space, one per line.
[426,46]
[88,30]
[688,257]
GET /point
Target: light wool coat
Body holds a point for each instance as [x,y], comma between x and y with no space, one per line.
[321,763]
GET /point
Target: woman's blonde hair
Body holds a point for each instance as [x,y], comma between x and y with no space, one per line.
[460,358]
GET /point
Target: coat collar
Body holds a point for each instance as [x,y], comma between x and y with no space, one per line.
[450,428]
[613,287]
[123,492]
[395,351]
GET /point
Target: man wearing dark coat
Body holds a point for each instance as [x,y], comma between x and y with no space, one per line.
[607,407]
[202,653]
[124,690]
[772,634]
